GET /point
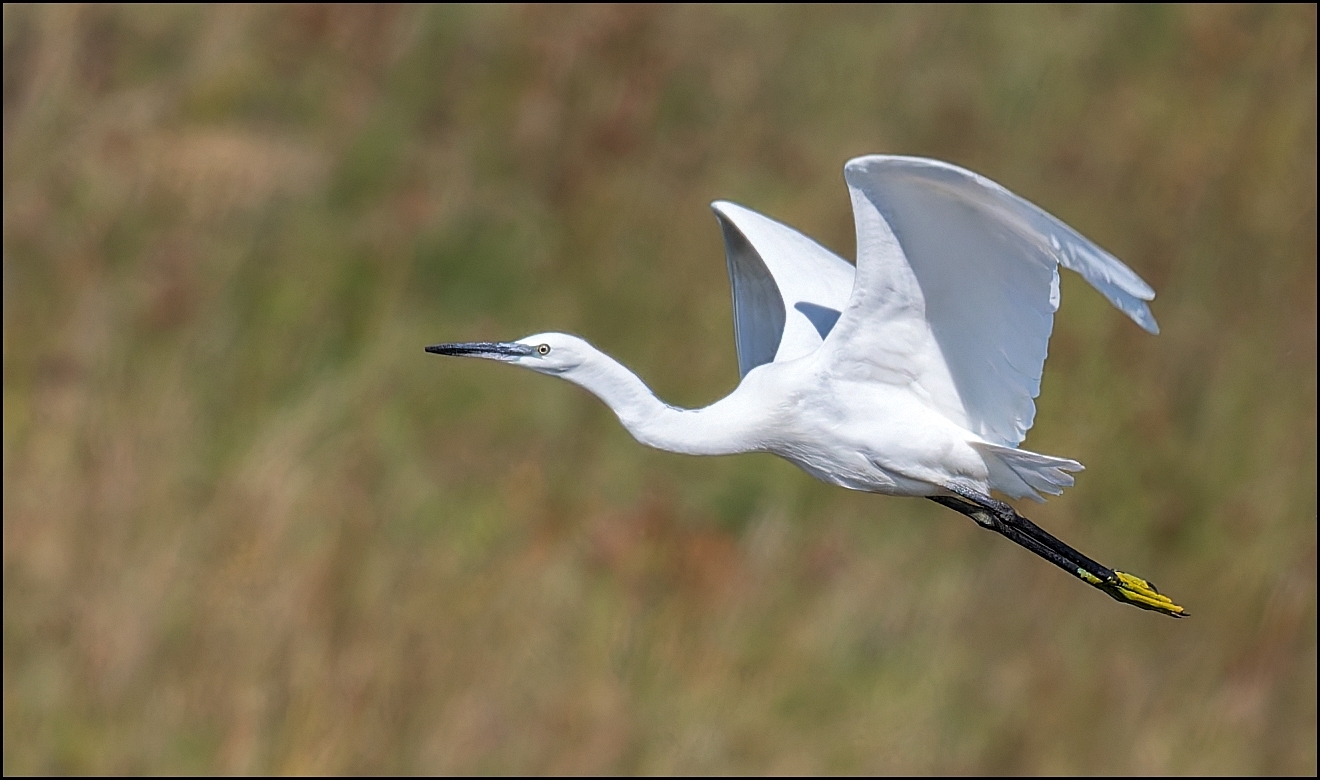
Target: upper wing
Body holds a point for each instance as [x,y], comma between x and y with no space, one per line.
[788,290]
[956,288]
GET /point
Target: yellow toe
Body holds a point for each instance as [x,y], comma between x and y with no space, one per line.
[1141,593]
[1133,590]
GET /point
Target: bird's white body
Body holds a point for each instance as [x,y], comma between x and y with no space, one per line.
[911,374]
[863,436]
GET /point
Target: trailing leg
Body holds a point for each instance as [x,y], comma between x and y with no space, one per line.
[1004,520]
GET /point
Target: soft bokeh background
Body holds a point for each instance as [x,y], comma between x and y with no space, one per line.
[249,526]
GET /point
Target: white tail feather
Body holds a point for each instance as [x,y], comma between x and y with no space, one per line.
[1024,474]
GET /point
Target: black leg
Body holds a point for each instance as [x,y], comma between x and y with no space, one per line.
[1004,520]
[1062,555]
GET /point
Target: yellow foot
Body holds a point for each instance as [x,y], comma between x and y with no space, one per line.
[1134,591]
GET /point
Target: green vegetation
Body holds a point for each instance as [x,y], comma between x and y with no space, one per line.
[249,526]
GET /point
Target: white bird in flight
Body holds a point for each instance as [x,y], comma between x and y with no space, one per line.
[912,374]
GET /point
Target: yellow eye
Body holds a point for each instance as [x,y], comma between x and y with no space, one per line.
[544,349]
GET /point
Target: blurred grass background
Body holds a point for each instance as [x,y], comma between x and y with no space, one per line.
[249,526]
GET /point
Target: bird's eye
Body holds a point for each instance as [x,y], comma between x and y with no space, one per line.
[544,349]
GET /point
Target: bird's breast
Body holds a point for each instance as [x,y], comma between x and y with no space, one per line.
[876,438]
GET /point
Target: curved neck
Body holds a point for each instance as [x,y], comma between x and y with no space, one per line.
[723,428]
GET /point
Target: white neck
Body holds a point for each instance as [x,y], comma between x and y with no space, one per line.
[723,428]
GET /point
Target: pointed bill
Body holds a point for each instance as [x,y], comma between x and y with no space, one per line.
[491,350]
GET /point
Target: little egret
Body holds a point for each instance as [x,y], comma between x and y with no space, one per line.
[912,374]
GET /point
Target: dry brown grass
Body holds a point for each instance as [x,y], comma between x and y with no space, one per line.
[249,526]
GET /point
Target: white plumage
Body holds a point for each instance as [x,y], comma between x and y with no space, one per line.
[912,374]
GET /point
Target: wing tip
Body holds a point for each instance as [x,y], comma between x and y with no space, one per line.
[728,211]
[1140,313]
[866,161]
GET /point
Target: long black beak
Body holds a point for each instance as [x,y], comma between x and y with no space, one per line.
[494,350]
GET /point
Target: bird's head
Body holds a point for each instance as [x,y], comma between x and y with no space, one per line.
[549,353]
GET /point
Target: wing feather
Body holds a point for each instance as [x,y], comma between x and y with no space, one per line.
[968,273]
[788,291]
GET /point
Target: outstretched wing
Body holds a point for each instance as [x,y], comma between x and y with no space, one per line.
[788,291]
[957,285]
